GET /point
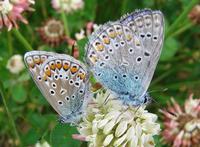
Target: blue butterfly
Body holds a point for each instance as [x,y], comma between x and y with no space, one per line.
[123,54]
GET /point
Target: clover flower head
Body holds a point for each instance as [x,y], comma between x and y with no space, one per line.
[52,32]
[15,64]
[182,124]
[109,123]
[194,14]
[67,6]
[11,12]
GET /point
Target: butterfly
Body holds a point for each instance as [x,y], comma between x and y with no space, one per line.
[63,80]
[123,54]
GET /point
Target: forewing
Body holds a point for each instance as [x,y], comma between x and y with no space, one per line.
[148,26]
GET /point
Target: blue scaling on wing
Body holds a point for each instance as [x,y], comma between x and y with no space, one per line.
[123,55]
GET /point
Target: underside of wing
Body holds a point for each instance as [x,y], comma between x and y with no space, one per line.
[123,54]
[63,81]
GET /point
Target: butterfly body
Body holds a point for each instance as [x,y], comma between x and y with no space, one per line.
[62,80]
[123,55]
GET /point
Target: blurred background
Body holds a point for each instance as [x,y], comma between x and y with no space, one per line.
[26,117]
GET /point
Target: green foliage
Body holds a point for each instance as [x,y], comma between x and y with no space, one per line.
[33,118]
[61,135]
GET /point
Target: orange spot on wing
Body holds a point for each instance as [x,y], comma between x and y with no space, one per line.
[112,34]
[48,72]
[37,61]
[106,40]
[66,66]
[59,65]
[52,66]
[81,76]
[31,65]
[99,46]
[74,69]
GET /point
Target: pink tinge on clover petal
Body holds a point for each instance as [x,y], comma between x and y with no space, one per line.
[182,124]
[79,137]
[11,12]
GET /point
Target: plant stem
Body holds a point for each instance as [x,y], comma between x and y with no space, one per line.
[180,19]
[64,18]
[181,30]
[44,10]
[10,47]
[21,38]
[10,117]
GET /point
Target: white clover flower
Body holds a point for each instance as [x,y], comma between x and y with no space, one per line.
[15,64]
[5,7]
[42,144]
[80,35]
[67,5]
[109,123]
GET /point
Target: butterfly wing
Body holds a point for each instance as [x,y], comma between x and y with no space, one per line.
[124,60]
[148,26]
[63,81]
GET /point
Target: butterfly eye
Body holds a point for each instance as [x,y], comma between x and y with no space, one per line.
[60,103]
[52,92]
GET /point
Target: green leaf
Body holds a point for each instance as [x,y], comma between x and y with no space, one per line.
[19,93]
[81,46]
[31,137]
[61,136]
[169,50]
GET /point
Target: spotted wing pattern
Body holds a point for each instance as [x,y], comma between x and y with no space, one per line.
[123,55]
[62,80]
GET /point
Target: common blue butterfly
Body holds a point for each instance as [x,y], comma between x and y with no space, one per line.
[123,54]
[63,81]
